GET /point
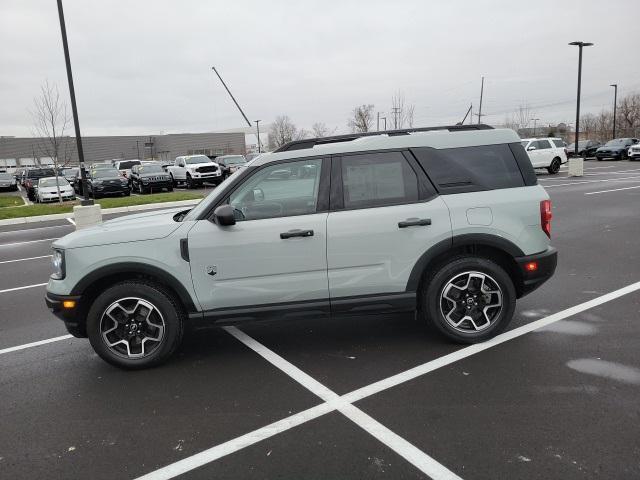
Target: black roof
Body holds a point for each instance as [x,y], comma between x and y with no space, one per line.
[311,142]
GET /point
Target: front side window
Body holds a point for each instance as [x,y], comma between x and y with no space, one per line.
[280,190]
[378,179]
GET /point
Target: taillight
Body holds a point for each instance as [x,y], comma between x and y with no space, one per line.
[546,216]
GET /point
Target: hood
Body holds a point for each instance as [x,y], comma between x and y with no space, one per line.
[613,148]
[63,188]
[203,164]
[131,228]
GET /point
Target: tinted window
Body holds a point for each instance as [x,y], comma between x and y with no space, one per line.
[127,165]
[542,144]
[279,190]
[469,169]
[378,179]
[104,173]
[43,172]
[150,169]
[559,143]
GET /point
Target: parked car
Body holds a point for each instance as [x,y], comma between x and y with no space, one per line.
[8,182]
[194,170]
[617,149]
[586,148]
[104,182]
[47,191]
[546,153]
[451,225]
[31,180]
[70,173]
[230,163]
[124,166]
[634,152]
[148,177]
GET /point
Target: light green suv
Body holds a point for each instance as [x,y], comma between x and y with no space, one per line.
[448,222]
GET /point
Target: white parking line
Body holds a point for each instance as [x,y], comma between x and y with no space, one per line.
[28,241]
[22,288]
[592,181]
[612,190]
[35,229]
[24,259]
[34,344]
[71,221]
[251,438]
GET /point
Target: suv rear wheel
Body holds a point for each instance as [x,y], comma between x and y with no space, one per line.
[555,166]
[135,325]
[469,299]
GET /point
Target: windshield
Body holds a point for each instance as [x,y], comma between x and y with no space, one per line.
[51,182]
[69,172]
[104,173]
[235,160]
[128,164]
[150,169]
[197,159]
[47,172]
[617,142]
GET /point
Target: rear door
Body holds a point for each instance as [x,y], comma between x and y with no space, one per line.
[384,216]
[546,153]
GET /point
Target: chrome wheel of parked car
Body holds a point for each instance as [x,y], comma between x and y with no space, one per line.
[132,327]
[471,301]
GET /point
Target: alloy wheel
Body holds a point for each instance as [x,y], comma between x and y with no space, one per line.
[471,302]
[132,327]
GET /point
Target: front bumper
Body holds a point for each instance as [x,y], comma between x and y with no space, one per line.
[608,155]
[200,175]
[545,267]
[158,185]
[70,316]
[47,197]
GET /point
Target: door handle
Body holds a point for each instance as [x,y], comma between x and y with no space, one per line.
[296,233]
[414,222]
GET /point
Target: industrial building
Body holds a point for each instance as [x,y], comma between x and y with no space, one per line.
[18,152]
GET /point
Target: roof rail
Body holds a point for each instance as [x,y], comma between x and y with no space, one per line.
[311,142]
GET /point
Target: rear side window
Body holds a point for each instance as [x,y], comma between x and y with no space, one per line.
[558,143]
[543,144]
[470,169]
[378,179]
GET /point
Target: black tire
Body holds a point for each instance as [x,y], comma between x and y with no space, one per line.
[171,318]
[623,155]
[173,180]
[554,168]
[432,300]
[169,189]
[189,182]
[141,189]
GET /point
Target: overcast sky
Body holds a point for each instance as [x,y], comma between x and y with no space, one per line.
[144,66]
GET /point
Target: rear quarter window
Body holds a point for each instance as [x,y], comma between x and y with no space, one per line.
[558,143]
[472,169]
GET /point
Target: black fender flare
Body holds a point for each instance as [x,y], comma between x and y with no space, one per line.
[457,241]
[136,268]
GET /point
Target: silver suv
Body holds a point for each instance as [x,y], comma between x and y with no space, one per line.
[448,222]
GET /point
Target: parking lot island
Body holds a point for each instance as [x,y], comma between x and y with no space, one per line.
[87,215]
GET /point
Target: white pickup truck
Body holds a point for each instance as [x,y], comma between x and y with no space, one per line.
[193,170]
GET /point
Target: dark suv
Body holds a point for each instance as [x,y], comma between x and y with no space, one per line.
[107,181]
[149,177]
[31,180]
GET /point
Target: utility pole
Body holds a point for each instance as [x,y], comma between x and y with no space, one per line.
[534,125]
[396,110]
[74,108]
[138,149]
[258,131]
[580,45]
[480,107]
[615,106]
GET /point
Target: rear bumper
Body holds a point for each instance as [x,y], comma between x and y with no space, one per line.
[545,267]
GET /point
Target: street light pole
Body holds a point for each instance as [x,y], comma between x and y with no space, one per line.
[580,45]
[258,130]
[74,108]
[615,106]
[480,108]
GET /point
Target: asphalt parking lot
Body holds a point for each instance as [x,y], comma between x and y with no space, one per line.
[556,396]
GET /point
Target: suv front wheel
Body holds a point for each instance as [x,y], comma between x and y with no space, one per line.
[135,324]
[469,299]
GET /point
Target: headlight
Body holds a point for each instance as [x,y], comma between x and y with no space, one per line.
[57,263]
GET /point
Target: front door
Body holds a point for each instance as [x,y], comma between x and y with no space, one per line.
[387,216]
[276,251]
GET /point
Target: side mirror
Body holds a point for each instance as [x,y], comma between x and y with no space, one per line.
[258,195]
[531,149]
[224,215]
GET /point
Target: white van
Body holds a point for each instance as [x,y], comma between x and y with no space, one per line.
[546,152]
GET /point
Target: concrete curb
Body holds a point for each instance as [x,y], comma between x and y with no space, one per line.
[106,211]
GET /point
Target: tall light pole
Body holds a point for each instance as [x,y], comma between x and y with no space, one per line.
[258,131]
[74,108]
[480,107]
[580,45]
[615,106]
[535,120]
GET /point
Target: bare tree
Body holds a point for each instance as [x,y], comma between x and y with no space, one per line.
[283,131]
[628,115]
[320,129]
[589,126]
[50,121]
[361,119]
[403,114]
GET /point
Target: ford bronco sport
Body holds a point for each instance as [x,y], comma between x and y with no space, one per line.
[447,222]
